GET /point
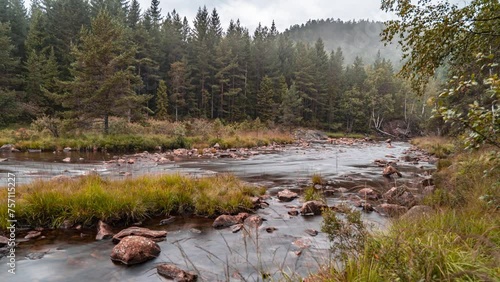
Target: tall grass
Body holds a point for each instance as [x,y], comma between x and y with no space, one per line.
[459,242]
[90,198]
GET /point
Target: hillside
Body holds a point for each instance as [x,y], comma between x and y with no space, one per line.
[360,38]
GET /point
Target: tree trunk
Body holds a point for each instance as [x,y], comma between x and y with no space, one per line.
[106,124]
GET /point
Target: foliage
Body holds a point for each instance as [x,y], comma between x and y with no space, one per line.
[463,38]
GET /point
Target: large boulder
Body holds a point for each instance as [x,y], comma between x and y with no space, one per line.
[391,209]
[103,231]
[173,272]
[400,196]
[287,195]
[313,207]
[7,148]
[226,220]
[134,250]
[140,231]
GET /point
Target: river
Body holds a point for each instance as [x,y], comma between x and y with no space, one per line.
[216,255]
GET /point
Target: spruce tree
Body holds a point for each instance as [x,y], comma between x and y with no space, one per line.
[104,78]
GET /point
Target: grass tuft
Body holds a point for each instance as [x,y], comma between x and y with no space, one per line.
[90,198]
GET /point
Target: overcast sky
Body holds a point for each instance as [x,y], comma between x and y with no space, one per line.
[283,12]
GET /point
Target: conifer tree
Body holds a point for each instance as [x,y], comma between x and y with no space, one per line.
[104,78]
[162,101]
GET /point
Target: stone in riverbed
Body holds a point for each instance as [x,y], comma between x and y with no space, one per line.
[67,160]
[311,232]
[227,220]
[103,231]
[400,196]
[287,195]
[312,207]
[173,272]
[369,194]
[253,221]
[134,250]
[140,231]
[32,234]
[418,211]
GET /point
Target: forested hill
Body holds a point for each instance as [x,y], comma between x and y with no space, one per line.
[355,38]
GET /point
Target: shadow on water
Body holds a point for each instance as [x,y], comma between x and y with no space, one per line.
[192,243]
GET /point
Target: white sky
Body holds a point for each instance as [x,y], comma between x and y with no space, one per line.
[284,12]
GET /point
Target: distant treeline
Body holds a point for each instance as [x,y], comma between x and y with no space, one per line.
[83,61]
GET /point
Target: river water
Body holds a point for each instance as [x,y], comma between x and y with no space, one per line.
[216,255]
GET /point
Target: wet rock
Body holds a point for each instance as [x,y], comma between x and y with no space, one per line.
[173,272]
[3,241]
[35,256]
[216,146]
[134,250]
[293,212]
[400,196]
[167,220]
[287,195]
[312,207]
[253,221]
[67,149]
[67,160]
[369,194]
[195,231]
[142,232]
[428,181]
[256,202]
[131,161]
[225,220]
[236,228]
[33,234]
[103,231]
[271,229]
[7,148]
[391,209]
[3,160]
[418,211]
[311,232]
[390,170]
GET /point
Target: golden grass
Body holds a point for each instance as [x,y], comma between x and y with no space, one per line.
[90,198]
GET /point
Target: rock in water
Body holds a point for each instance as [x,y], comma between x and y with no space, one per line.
[134,250]
[103,231]
[139,231]
[227,220]
[391,209]
[390,170]
[314,207]
[173,272]
[287,195]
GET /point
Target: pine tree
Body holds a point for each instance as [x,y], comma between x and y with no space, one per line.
[179,78]
[265,104]
[162,101]
[291,107]
[104,78]
[8,80]
[134,14]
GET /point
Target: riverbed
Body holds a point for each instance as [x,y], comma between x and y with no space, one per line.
[192,243]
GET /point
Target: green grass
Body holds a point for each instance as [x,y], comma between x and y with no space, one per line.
[90,198]
[460,242]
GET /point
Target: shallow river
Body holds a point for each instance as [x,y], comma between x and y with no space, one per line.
[216,255]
